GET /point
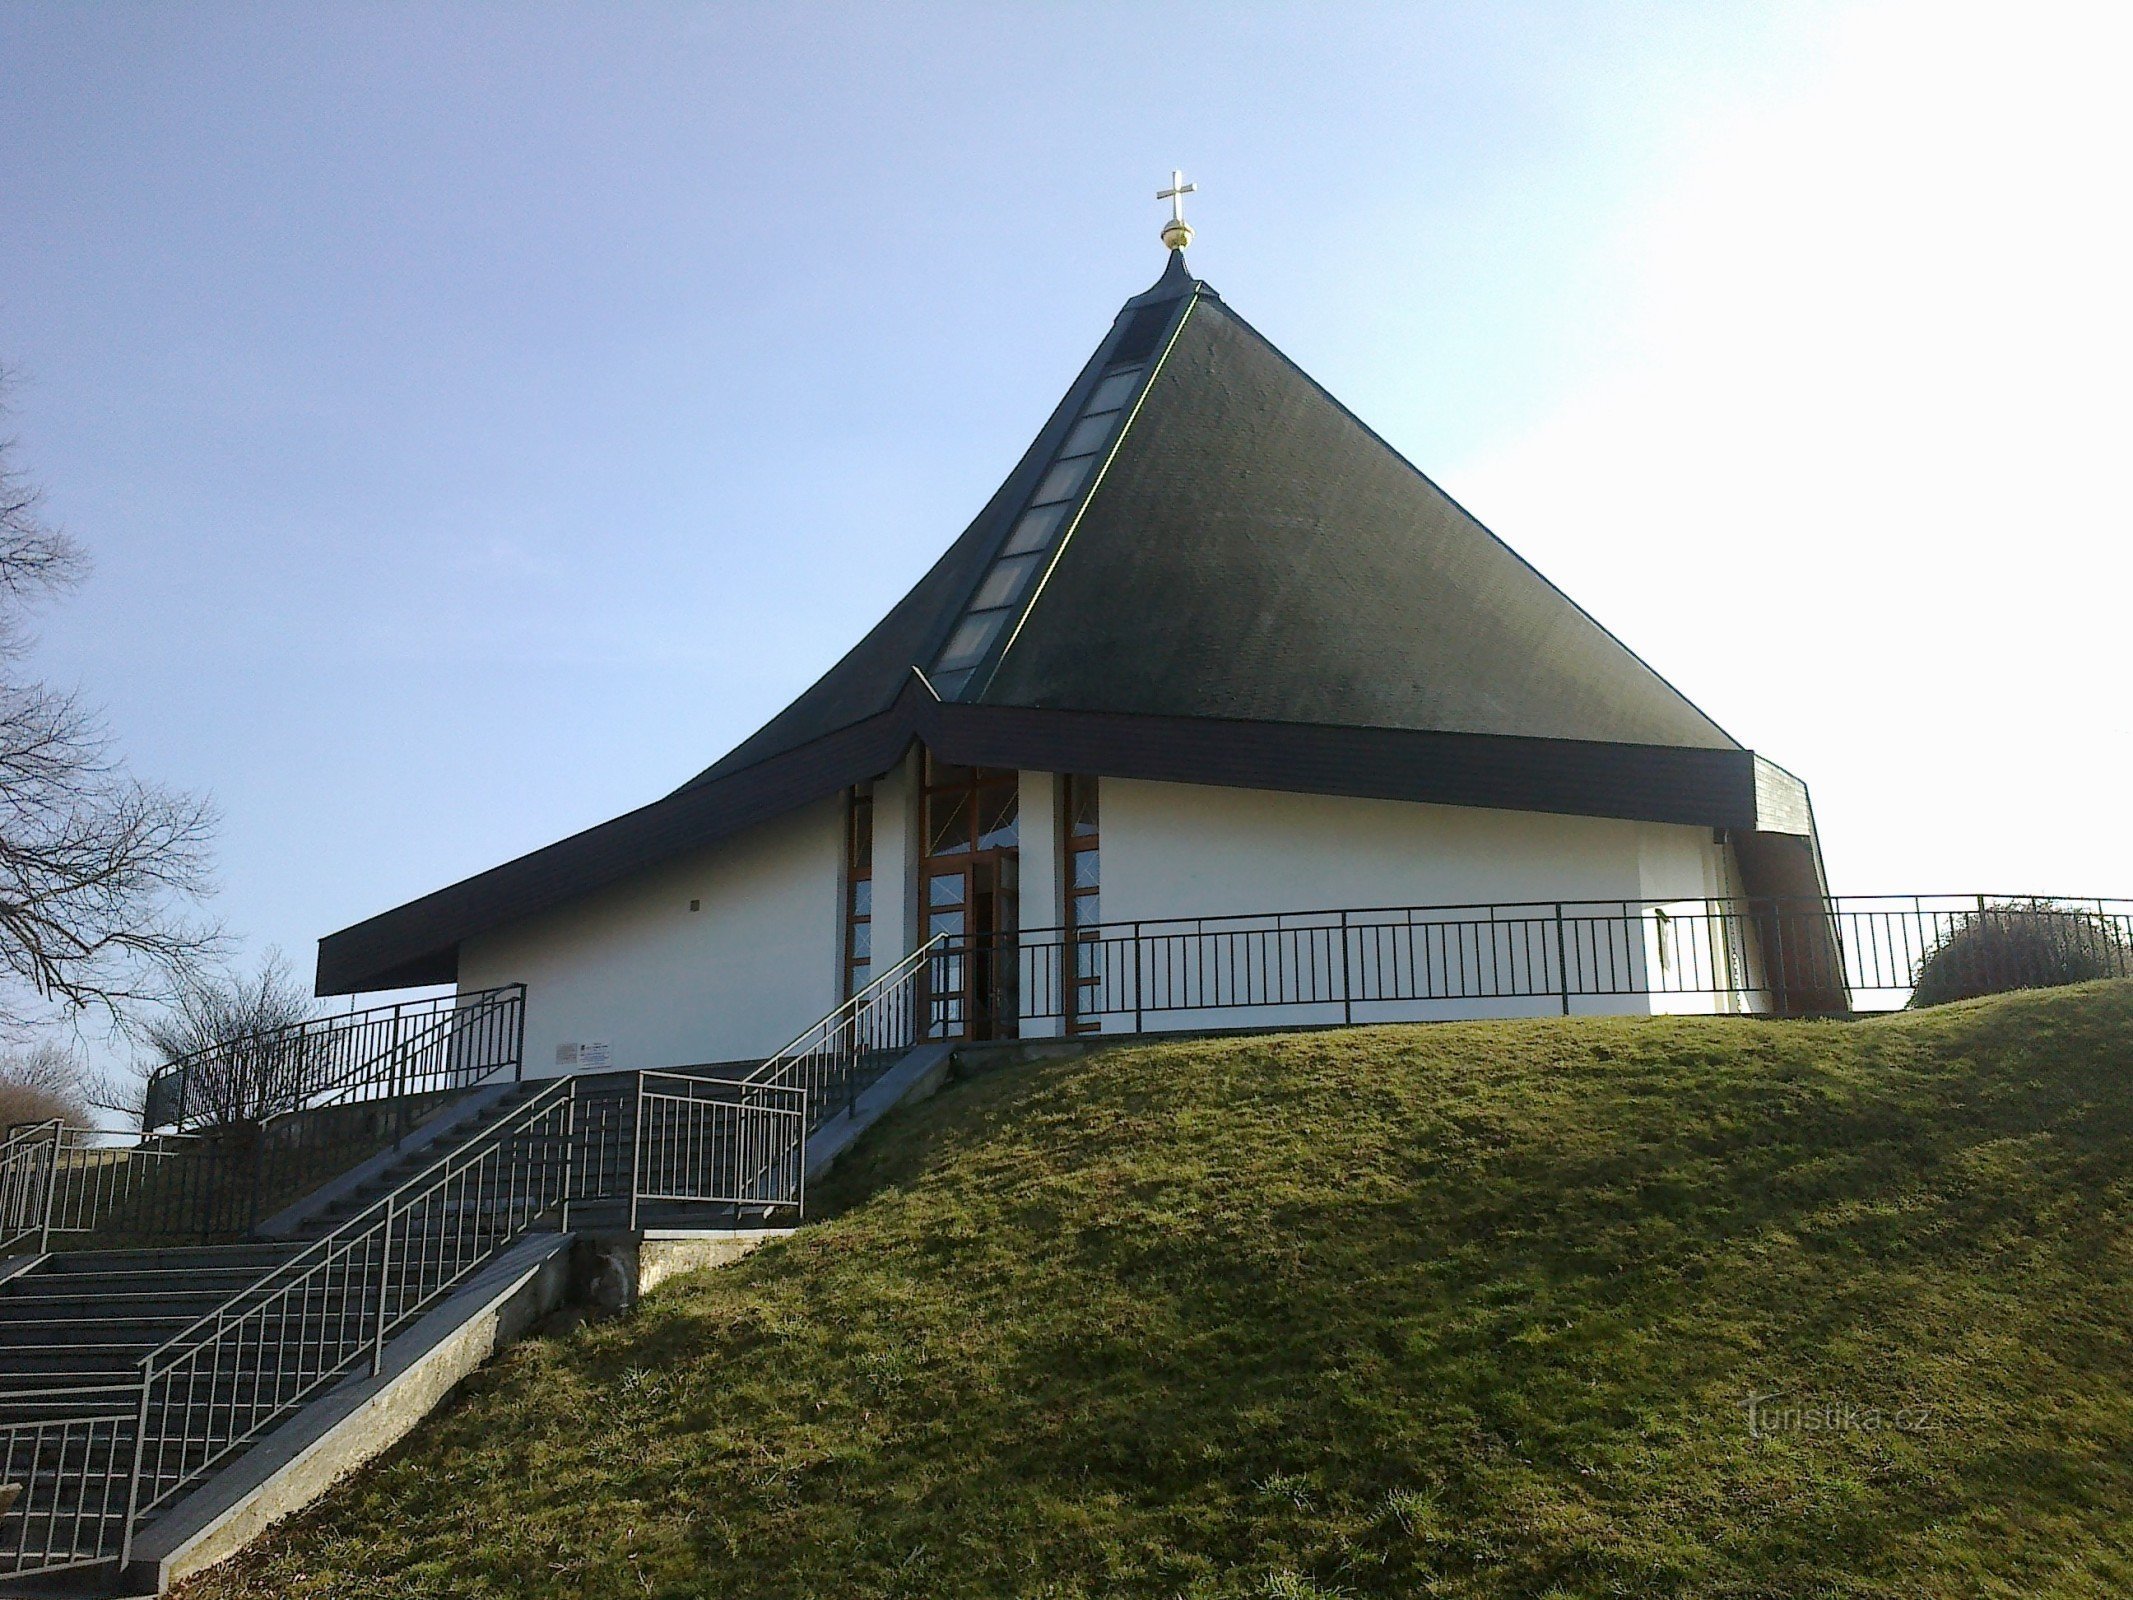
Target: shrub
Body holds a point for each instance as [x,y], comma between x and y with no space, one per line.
[2023,945]
[40,1083]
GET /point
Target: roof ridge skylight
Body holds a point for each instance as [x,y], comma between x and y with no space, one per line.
[1033,539]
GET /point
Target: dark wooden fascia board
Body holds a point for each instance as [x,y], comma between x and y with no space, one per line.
[1645,783]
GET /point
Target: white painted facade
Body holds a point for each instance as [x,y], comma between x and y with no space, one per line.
[1173,849]
[634,969]
[631,967]
[1191,851]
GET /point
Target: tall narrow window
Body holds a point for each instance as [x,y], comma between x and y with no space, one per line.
[858,890]
[1084,881]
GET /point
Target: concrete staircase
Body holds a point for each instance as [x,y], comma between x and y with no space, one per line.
[76,1326]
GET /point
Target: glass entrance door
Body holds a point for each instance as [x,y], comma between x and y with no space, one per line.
[971,873]
[974,990]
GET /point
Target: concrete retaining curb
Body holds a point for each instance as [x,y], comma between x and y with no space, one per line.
[663,1255]
[347,1426]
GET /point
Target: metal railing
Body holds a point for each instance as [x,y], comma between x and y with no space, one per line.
[28,1158]
[699,1136]
[214,1387]
[94,1461]
[105,1190]
[719,1142]
[852,1046]
[1770,956]
[412,1047]
[69,1468]
[169,1188]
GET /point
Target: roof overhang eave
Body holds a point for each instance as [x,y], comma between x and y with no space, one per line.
[418,942]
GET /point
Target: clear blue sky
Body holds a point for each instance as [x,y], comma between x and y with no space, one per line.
[484,416]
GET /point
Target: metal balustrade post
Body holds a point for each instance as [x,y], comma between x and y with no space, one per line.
[518,1036]
[51,1190]
[570,1148]
[133,1479]
[1139,997]
[1347,982]
[636,1152]
[1985,936]
[385,1272]
[1562,961]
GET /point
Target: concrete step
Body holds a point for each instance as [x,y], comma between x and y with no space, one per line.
[211,1400]
[216,1282]
[165,1259]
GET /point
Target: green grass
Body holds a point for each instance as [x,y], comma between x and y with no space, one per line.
[1466,1310]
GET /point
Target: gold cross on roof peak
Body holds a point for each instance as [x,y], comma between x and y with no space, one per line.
[1177,232]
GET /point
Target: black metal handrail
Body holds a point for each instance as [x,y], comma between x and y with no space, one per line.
[409,1047]
[837,1057]
[239,1368]
[1780,956]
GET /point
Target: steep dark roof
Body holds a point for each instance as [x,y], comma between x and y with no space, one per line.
[1251,551]
[1255,552]
[1236,582]
[874,671]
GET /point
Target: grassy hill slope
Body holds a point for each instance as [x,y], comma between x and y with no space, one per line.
[1468,1310]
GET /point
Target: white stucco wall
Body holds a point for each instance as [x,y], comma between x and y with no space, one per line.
[1042,893]
[633,967]
[1173,849]
[1685,957]
[896,804]
[1187,850]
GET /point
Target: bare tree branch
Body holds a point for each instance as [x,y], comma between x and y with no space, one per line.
[37,560]
[242,1039]
[98,870]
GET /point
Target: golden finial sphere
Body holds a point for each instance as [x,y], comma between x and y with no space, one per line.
[1177,234]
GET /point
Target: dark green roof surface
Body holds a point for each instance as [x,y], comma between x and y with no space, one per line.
[1253,552]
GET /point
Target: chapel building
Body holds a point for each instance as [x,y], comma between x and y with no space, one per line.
[1217,694]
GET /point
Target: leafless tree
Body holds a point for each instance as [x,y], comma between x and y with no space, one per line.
[98,870]
[40,1082]
[241,1039]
